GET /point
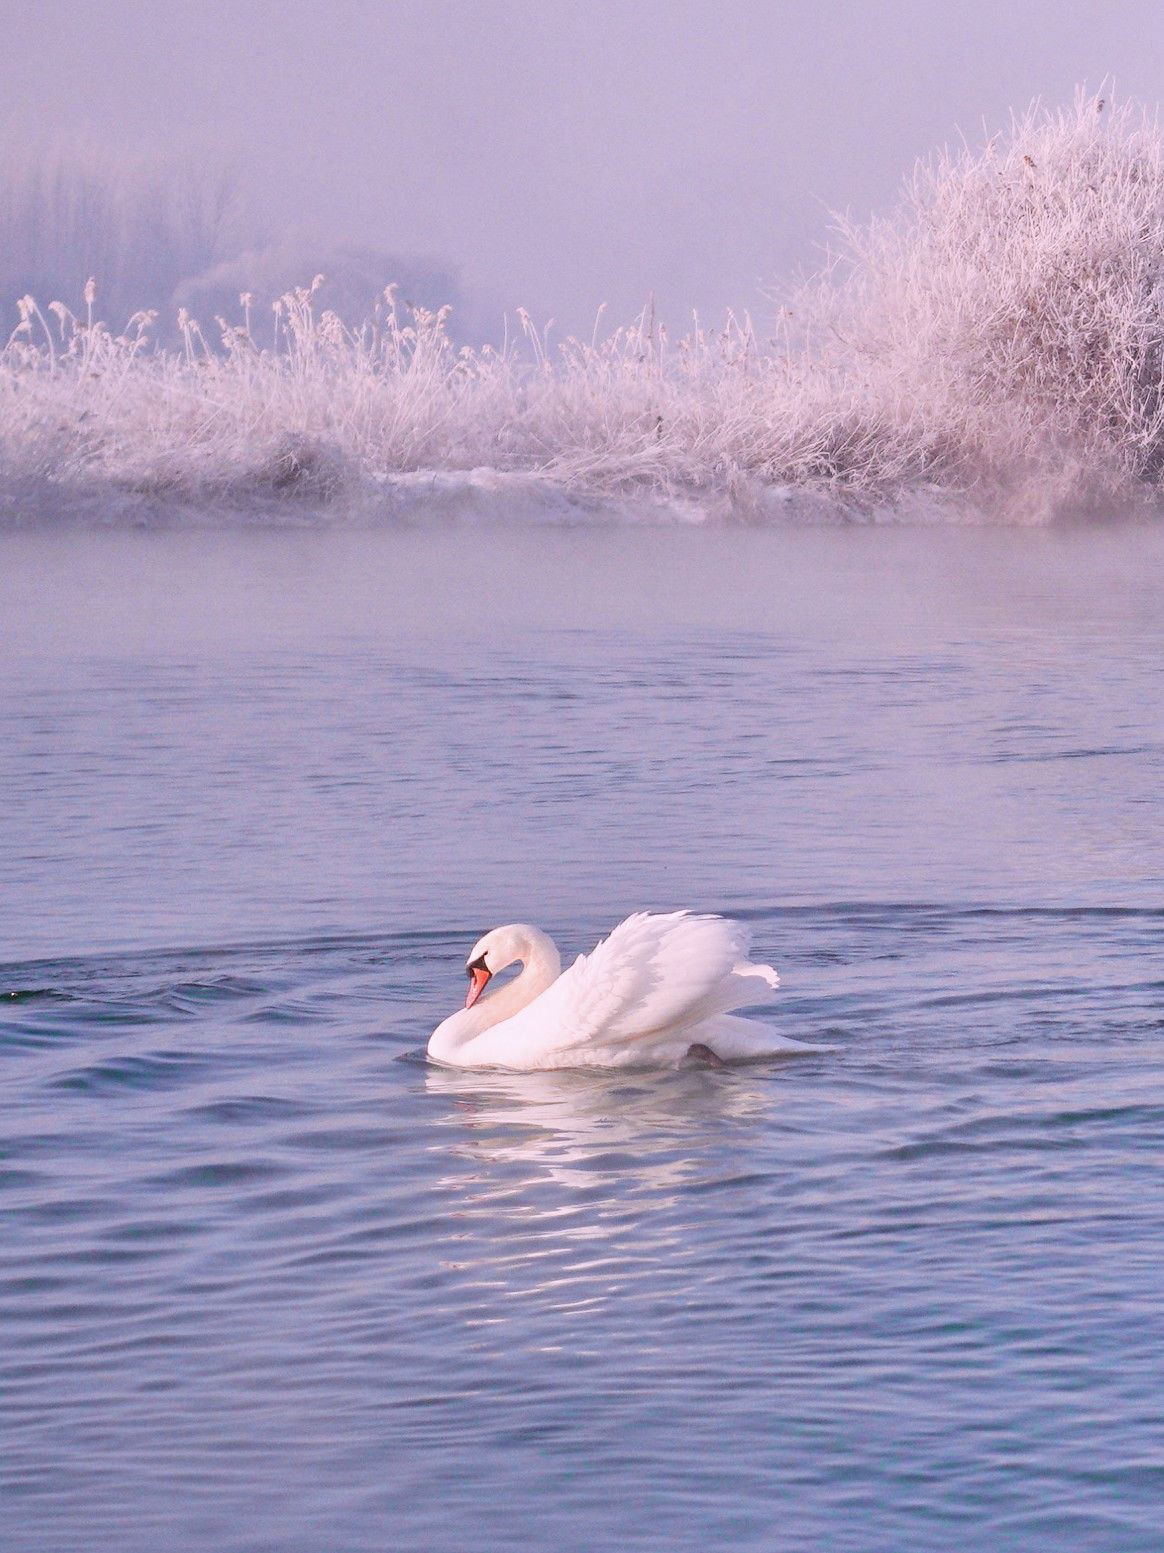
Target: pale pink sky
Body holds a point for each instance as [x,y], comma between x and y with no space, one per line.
[564,154]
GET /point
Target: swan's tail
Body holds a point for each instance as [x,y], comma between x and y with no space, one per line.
[736,1040]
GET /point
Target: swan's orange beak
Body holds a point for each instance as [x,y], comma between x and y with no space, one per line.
[478,977]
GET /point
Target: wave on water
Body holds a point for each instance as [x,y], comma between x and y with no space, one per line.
[994,348]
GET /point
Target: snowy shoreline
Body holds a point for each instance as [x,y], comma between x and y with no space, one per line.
[484,497]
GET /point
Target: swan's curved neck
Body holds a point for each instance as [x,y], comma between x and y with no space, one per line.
[541,965]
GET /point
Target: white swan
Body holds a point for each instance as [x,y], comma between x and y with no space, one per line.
[659,988]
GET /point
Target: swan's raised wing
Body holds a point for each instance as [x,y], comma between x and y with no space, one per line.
[655,974]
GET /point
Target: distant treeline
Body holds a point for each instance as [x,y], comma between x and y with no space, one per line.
[160,236]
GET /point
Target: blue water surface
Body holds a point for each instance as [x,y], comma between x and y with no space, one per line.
[270,1281]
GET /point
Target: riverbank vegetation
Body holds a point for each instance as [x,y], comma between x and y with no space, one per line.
[996,343]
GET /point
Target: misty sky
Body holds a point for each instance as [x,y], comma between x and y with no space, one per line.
[563,154]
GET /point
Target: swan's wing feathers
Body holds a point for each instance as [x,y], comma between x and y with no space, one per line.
[653,973]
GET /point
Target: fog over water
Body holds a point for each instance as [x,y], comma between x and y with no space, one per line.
[562,156]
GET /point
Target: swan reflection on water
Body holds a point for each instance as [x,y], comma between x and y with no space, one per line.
[639,1131]
[574,1189]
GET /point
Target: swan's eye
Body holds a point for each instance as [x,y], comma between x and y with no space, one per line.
[476,965]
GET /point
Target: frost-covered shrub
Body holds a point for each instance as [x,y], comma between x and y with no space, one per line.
[1016,298]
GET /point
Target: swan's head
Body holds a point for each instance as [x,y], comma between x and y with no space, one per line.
[502,947]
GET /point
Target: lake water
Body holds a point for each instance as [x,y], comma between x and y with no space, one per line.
[269,1281]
